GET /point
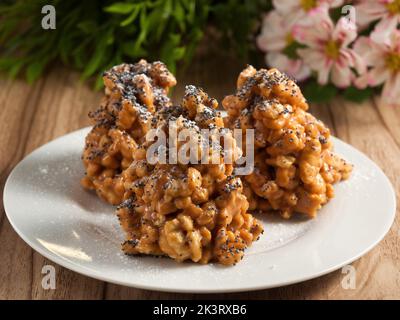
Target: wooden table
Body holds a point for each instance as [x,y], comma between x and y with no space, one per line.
[58,103]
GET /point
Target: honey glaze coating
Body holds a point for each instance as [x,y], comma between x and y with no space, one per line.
[189,211]
[133,92]
[295,167]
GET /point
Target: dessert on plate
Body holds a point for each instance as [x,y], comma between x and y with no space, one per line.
[170,169]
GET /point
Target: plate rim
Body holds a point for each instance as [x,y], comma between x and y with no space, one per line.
[92,273]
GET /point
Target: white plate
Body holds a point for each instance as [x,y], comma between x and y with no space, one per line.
[49,210]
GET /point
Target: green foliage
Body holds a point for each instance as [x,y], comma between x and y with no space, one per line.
[319,94]
[93,35]
[357,95]
[237,21]
[291,49]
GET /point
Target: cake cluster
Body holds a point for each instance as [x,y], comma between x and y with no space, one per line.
[295,167]
[199,209]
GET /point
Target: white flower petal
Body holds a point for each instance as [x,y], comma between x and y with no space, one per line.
[342,76]
[285,6]
[384,29]
[315,28]
[323,74]
[345,32]
[377,76]
[303,72]
[368,11]
[372,78]
[270,43]
[351,58]
[316,60]
[362,81]
[371,52]
[334,3]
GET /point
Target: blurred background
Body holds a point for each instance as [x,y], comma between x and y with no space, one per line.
[332,47]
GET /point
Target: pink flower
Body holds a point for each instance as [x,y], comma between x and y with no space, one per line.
[327,50]
[276,35]
[387,11]
[295,10]
[383,60]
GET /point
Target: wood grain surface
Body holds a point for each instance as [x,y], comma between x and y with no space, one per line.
[58,103]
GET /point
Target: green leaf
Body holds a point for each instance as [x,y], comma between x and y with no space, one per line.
[7,63]
[178,53]
[179,14]
[94,63]
[170,52]
[34,70]
[191,9]
[195,36]
[88,26]
[131,50]
[15,69]
[336,13]
[144,26]
[291,50]
[131,17]
[357,95]
[167,10]
[317,93]
[120,8]
[99,82]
